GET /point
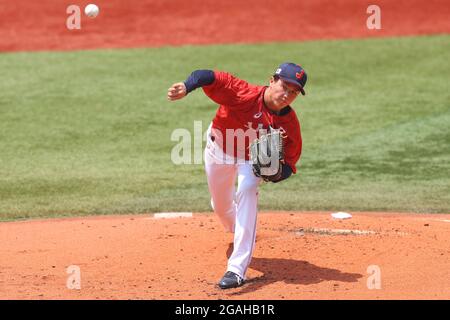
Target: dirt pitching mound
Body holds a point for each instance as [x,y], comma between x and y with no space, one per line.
[297,256]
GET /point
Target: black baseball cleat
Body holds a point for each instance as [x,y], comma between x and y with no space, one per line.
[230,280]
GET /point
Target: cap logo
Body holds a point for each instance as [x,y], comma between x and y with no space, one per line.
[278,71]
[300,75]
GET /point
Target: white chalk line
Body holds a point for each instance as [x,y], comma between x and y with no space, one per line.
[334,231]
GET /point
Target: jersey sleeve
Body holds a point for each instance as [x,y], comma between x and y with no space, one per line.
[228,90]
[197,79]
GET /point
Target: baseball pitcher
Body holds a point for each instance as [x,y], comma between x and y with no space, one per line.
[254,137]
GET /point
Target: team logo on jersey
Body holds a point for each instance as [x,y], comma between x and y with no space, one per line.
[283,132]
[257,115]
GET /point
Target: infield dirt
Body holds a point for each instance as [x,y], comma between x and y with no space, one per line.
[297,256]
[41,25]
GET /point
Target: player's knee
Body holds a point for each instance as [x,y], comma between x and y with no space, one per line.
[248,188]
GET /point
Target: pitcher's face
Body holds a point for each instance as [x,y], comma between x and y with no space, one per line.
[283,93]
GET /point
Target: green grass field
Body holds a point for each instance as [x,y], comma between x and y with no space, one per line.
[89,132]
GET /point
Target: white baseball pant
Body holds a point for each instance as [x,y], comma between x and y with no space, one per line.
[236,209]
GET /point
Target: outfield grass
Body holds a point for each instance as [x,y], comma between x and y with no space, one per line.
[89,132]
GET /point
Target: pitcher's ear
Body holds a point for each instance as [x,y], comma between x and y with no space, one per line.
[274,79]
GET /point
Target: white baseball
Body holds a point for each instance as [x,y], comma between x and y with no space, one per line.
[91,10]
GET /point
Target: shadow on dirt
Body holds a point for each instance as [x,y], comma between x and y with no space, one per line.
[290,272]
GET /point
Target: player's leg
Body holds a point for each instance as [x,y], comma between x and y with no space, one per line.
[245,228]
[221,183]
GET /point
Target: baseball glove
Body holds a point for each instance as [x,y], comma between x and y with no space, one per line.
[266,154]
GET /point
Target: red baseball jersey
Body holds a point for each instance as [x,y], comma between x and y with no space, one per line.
[242,111]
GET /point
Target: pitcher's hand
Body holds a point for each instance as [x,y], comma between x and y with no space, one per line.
[176,91]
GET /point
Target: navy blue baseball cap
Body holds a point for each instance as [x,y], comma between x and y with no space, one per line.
[292,73]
